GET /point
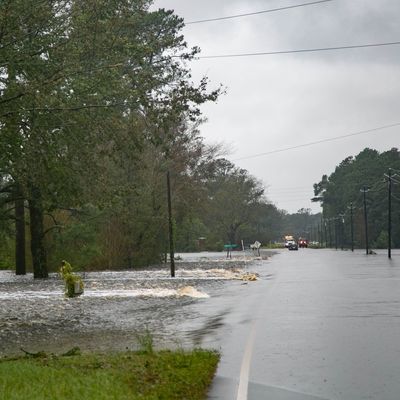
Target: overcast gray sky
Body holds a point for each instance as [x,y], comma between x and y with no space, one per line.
[279,101]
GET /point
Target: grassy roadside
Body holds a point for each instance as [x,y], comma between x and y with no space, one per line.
[129,375]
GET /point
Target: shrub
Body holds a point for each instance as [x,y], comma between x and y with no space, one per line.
[73,283]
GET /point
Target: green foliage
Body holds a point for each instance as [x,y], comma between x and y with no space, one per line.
[87,88]
[301,224]
[188,232]
[7,242]
[78,240]
[382,241]
[98,104]
[7,260]
[73,283]
[146,342]
[233,194]
[159,375]
[75,351]
[342,188]
[278,245]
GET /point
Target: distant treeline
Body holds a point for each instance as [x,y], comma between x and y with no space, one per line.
[342,198]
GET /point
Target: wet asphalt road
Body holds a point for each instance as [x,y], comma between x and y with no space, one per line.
[320,324]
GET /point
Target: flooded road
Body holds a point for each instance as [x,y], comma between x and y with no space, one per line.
[318,324]
[117,307]
[325,326]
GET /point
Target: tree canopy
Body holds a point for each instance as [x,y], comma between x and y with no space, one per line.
[341,194]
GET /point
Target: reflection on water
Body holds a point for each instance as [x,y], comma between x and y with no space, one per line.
[35,315]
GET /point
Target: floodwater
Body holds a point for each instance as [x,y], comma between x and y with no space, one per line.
[326,325]
[317,324]
[117,307]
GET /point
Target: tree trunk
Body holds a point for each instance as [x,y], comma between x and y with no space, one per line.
[37,234]
[20,263]
[232,234]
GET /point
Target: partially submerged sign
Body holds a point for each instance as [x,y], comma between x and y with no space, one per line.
[229,248]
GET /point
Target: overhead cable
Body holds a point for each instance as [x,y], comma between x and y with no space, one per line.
[395,180]
[320,141]
[315,50]
[395,197]
[257,12]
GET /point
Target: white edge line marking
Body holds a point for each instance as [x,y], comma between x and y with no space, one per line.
[246,362]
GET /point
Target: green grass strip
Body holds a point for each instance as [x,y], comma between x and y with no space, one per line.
[131,375]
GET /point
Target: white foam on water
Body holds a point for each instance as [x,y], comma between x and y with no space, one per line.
[154,292]
[27,294]
[190,291]
[215,273]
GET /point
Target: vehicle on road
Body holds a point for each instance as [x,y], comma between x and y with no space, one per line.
[288,240]
[303,243]
[293,246]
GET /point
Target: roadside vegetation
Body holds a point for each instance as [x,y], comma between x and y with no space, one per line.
[97,106]
[129,375]
[342,199]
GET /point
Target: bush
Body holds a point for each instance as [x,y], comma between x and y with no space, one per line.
[73,282]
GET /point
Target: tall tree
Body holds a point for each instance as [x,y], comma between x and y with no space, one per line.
[75,76]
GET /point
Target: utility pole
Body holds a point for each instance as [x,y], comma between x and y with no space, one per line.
[326,235]
[365,190]
[320,233]
[351,226]
[330,232]
[336,233]
[322,230]
[170,228]
[341,220]
[389,176]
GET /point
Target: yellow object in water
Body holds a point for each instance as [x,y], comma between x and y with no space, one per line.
[248,276]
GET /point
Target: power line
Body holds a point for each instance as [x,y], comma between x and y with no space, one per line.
[319,141]
[257,12]
[395,197]
[315,50]
[293,200]
[378,186]
[287,187]
[395,180]
[288,191]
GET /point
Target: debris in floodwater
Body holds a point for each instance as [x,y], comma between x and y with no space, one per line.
[219,273]
[248,276]
[190,291]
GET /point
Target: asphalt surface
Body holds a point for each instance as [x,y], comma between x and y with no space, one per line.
[319,324]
